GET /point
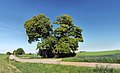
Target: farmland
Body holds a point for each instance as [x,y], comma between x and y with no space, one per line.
[99,53]
[104,57]
[17,67]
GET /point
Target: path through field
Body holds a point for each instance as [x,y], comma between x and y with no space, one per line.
[58,61]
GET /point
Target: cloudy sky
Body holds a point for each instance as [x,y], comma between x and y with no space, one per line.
[100,20]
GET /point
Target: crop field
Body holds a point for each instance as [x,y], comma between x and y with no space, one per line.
[105,57]
[99,53]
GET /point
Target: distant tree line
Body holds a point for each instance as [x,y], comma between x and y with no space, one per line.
[19,51]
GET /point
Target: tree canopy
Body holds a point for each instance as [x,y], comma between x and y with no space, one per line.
[38,27]
[63,39]
[8,53]
[19,51]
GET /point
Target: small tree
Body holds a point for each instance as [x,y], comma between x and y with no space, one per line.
[8,53]
[14,52]
[19,51]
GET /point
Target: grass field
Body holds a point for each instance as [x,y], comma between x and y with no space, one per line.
[49,68]
[97,53]
[45,68]
[104,56]
[29,56]
[5,66]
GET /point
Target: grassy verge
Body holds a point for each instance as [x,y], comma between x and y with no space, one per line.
[45,68]
[5,66]
[29,56]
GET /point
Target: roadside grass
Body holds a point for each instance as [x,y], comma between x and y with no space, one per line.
[5,66]
[104,57]
[50,68]
[47,68]
[29,56]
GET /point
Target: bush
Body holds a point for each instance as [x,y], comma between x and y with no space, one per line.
[30,53]
[19,51]
[8,53]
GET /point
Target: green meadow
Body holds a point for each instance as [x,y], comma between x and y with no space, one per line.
[5,66]
[103,56]
[10,66]
[99,53]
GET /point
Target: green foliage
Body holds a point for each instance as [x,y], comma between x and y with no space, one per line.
[68,35]
[19,51]
[14,52]
[63,39]
[8,53]
[49,42]
[39,46]
[38,27]
[67,28]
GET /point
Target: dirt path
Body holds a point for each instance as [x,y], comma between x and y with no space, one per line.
[58,61]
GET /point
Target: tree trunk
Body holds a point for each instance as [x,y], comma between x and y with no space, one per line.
[56,55]
[46,54]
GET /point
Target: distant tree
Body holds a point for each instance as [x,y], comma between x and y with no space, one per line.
[14,52]
[30,53]
[19,51]
[54,43]
[8,53]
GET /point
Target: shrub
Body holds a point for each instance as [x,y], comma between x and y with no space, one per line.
[19,51]
[8,53]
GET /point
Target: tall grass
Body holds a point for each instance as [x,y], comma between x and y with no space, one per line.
[104,69]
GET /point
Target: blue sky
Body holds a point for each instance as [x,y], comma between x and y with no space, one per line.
[100,20]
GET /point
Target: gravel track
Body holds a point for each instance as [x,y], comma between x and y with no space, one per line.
[58,61]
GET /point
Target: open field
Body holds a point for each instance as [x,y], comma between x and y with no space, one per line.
[99,53]
[45,68]
[104,57]
[5,66]
[112,56]
[9,66]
